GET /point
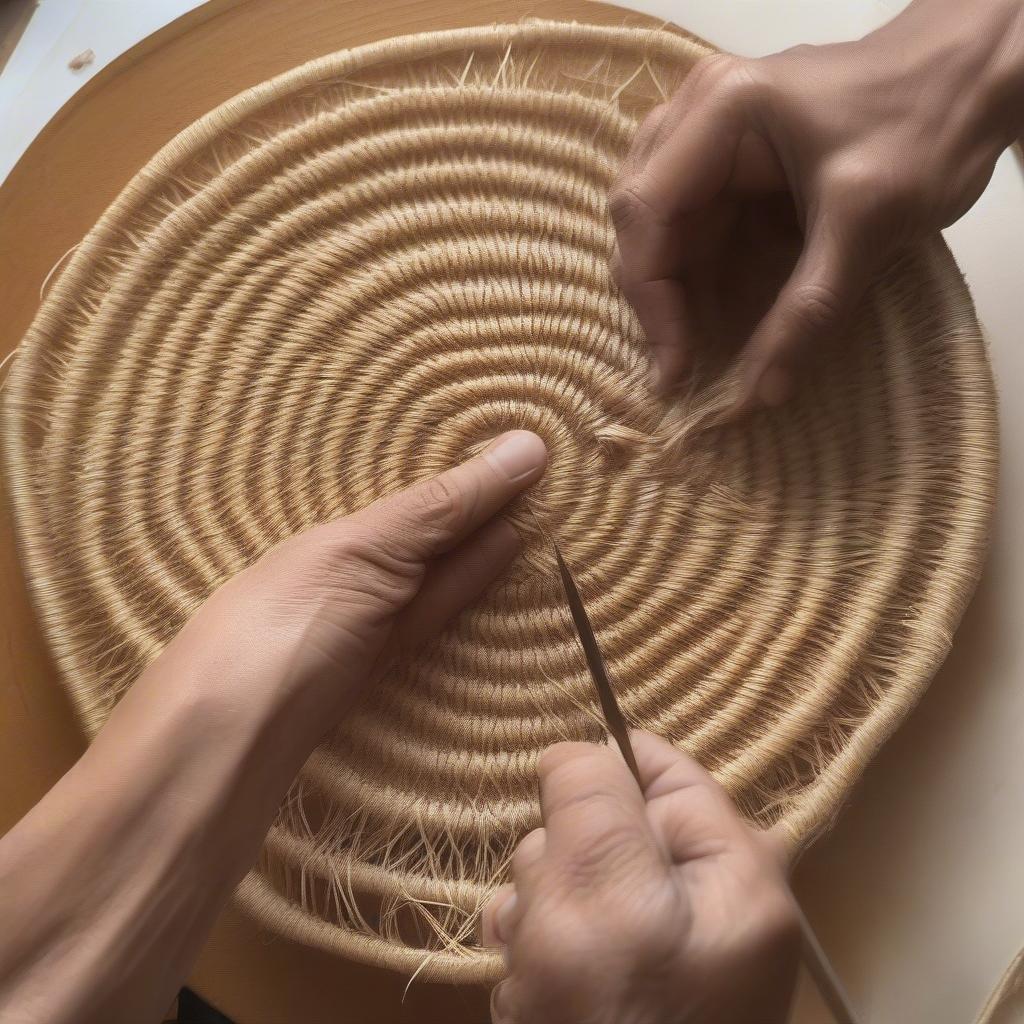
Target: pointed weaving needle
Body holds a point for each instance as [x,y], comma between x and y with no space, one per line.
[814,957]
[609,704]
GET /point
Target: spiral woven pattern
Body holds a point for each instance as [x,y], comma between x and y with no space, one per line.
[345,280]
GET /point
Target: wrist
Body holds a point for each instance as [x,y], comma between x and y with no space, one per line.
[205,699]
[127,860]
[237,666]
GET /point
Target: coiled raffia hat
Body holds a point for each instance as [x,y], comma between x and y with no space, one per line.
[346,279]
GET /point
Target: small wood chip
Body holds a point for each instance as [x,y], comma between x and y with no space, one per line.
[84,59]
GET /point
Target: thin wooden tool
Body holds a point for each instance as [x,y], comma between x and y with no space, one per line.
[609,705]
[820,968]
[814,957]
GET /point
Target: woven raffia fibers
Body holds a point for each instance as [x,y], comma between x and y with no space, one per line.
[349,277]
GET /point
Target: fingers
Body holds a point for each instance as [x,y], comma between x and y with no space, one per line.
[456,580]
[708,141]
[597,831]
[691,160]
[528,857]
[829,279]
[504,1003]
[587,888]
[668,326]
[430,518]
[496,921]
[504,909]
[664,768]
[588,923]
[690,813]
[665,206]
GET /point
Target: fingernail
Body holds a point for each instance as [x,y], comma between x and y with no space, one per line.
[776,386]
[503,920]
[501,1003]
[517,454]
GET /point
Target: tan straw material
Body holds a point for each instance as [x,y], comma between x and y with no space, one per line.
[1005,1005]
[349,277]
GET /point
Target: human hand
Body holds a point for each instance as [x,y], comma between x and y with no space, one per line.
[202,748]
[760,201]
[653,908]
[320,616]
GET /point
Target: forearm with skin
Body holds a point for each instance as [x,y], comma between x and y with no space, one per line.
[977,46]
[109,885]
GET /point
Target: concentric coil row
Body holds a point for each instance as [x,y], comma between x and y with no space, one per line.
[345,280]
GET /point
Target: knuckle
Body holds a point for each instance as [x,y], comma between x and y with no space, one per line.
[857,183]
[606,843]
[342,561]
[651,129]
[353,546]
[653,118]
[521,862]
[801,50]
[707,802]
[680,775]
[498,919]
[489,911]
[727,75]
[796,58]
[774,848]
[877,201]
[770,920]
[850,179]
[352,541]
[628,206]
[331,545]
[696,824]
[898,196]
[813,308]
[438,503]
[712,68]
[530,848]
[557,950]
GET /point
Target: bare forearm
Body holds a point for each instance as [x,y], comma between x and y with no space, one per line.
[111,883]
[975,45]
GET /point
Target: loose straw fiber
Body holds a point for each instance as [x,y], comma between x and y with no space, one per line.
[345,279]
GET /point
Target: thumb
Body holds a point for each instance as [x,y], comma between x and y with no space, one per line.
[431,517]
[813,306]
